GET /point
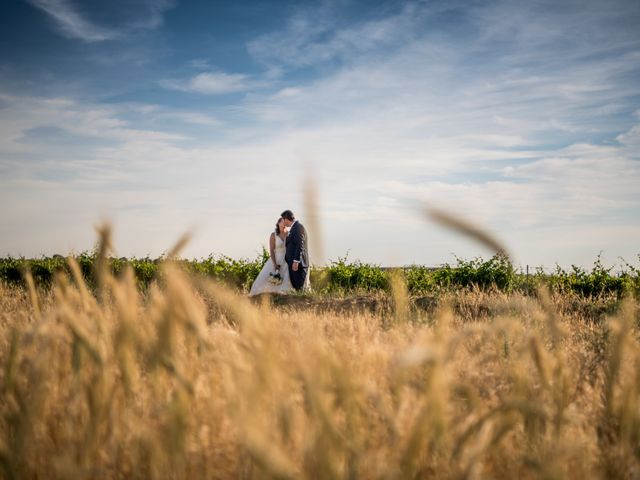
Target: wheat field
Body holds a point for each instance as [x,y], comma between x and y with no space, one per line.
[192,380]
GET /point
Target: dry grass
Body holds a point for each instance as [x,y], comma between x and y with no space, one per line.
[193,381]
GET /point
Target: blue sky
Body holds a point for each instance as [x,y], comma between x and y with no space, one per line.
[171,116]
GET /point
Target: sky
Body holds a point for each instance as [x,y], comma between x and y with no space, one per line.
[167,116]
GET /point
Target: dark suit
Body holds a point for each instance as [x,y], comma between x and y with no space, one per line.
[296,249]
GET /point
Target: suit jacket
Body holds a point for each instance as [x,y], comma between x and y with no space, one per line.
[296,245]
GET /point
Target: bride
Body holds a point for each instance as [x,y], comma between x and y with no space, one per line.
[274,276]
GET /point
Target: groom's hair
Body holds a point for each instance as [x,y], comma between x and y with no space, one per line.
[288,215]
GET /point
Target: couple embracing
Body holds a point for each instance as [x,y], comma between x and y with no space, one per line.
[288,266]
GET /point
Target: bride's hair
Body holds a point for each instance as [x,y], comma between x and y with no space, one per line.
[278,226]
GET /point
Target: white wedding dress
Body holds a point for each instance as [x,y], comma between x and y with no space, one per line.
[263,283]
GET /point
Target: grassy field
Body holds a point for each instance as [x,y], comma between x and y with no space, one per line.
[187,378]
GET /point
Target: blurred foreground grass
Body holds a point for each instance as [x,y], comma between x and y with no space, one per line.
[189,379]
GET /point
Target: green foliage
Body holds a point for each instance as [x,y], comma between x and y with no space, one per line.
[599,281]
[422,279]
[497,272]
[346,276]
[343,276]
[237,273]
[42,269]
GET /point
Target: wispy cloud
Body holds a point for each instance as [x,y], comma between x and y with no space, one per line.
[210,83]
[71,24]
[153,14]
[72,21]
[194,118]
[314,35]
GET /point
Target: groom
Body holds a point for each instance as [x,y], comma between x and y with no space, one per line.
[296,256]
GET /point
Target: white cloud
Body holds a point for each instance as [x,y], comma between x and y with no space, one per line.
[210,83]
[288,92]
[367,173]
[631,138]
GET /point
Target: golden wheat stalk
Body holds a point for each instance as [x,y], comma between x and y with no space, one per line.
[467,228]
